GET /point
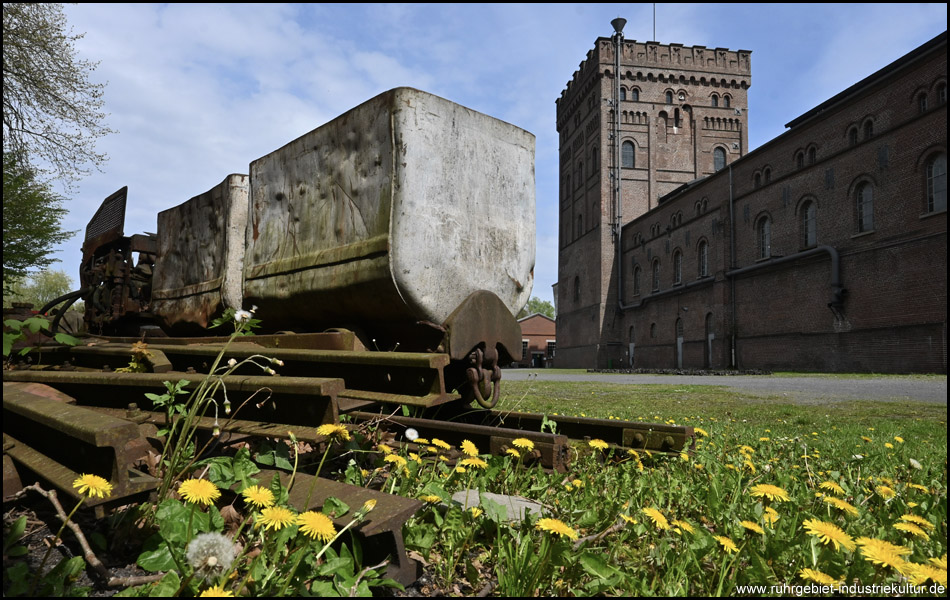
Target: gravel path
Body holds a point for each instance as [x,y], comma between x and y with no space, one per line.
[797,389]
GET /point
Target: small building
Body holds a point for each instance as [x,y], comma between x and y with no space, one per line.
[538,341]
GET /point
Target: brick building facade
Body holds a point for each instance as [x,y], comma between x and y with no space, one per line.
[824,249]
[538,341]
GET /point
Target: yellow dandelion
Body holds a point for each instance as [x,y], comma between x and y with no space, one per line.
[832,487]
[469,448]
[216,591]
[918,521]
[432,449]
[415,457]
[368,506]
[598,444]
[700,432]
[883,553]
[772,492]
[746,450]
[898,439]
[727,544]
[316,525]
[748,464]
[684,525]
[513,452]
[658,518]
[276,518]
[629,519]
[474,462]
[841,505]
[260,497]
[431,499]
[421,441]
[818,577]
[889,445]
[440,444]
[763,439]
[829,533]
[920,574]
[912,529]
[199,491]
[93,486]
[885,492]
[395,459]
[918,487]
[866,438]
[752,526]
[384,448]
[460,469]
[940,563]
[698,466]
[555,526]
[476,512]
[524,444]
[334,431]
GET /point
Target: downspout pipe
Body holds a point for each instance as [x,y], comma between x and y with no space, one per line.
[617,225]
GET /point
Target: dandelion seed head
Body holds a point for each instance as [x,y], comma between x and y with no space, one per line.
[210,555]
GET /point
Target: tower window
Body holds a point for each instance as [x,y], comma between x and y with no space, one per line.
[864,201]
[726,101]
[627,155]
[937,183]
[669,97]
[623,93]
[715,100]
[719,159]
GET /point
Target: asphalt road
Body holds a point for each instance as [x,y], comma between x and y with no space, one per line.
[797,389]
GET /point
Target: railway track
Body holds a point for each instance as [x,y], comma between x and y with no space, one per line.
[71,412]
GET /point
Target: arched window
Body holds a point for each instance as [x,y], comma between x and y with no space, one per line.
[627,155]
[636,280]
[719,159]
[922,103]
[726,101]
[942,93]
[669,97]
[580,225]
[809,225]
[937,183]
[652,330]
[763,231]
[703,259]
[864,203]
[677,267]
[853,136]
[812,155]
[768,175]
[800,159]
[656,275]
[577,289]
[868,129]
[715,100]
[757,181]
[623,93]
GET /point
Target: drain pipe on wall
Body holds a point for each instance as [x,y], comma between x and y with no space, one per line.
[732,266]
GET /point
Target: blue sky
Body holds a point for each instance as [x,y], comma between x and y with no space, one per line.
[198,91]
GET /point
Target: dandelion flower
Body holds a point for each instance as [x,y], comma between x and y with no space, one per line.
[912,529]
[555,526]
[919,574]
[753,527]
[513,452]
[598,444]
[260,497]
[476,512]
[885,492]
[316,525]
[216,591]
[919,488]
[430,498]
[727,544]
[684,525]
[629,519]
[940,563]
[918,521]
[367,507]
[421,441]
[700,432]
[334,431]
[475,462]
[898,439]
[841,505]
[524,444]
[276,518]
[829,533]
[460,469]
[884,553]
[832,487]
[469,448]
[384,448]
[210,555]
[199,491]
[93,486]
[395,459]
[748,450]
[658,518]
[772,492]
[440,444]
[818,577]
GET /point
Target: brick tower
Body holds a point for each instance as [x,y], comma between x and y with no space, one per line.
[682,116]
